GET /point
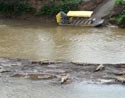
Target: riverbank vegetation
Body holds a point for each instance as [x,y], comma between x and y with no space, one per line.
[13,8]
[119,13]
[36,7]
[60,5]
[9,8]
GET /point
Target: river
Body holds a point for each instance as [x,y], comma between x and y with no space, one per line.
[18,88]
[47,41]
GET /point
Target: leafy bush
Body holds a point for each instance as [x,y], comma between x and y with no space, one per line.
[15,8]
[120,19]
[19,7]
[54,8]
[23,8]
[118,2]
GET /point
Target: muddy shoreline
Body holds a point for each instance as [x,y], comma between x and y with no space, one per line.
[54,71]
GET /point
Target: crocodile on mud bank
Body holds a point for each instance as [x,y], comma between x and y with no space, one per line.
[62,72]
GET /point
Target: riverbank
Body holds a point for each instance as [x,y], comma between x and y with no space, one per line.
[39,9]
[54,72]
[46,10]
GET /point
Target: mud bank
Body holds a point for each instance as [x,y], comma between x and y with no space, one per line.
[55,71]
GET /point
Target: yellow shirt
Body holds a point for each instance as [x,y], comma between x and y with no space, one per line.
[58,18]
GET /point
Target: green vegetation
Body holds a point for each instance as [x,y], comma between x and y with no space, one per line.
[120,19]
[55,7]
[118,2]
[20,7]
[15,7]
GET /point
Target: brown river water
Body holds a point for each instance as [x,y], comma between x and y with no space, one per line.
[39,40]
[47,41]
[18,88]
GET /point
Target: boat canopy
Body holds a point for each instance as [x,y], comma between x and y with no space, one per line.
[80,13]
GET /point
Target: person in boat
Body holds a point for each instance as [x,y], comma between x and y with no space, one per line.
[62,18]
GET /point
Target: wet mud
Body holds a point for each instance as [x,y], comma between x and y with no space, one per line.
[62,72]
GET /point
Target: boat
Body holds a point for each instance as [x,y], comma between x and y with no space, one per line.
[78,18]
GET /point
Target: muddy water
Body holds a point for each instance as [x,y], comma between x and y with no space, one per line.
[46,41]
[39,89]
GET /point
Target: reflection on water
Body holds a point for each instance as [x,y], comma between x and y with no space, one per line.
[46,41]
[39,89]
